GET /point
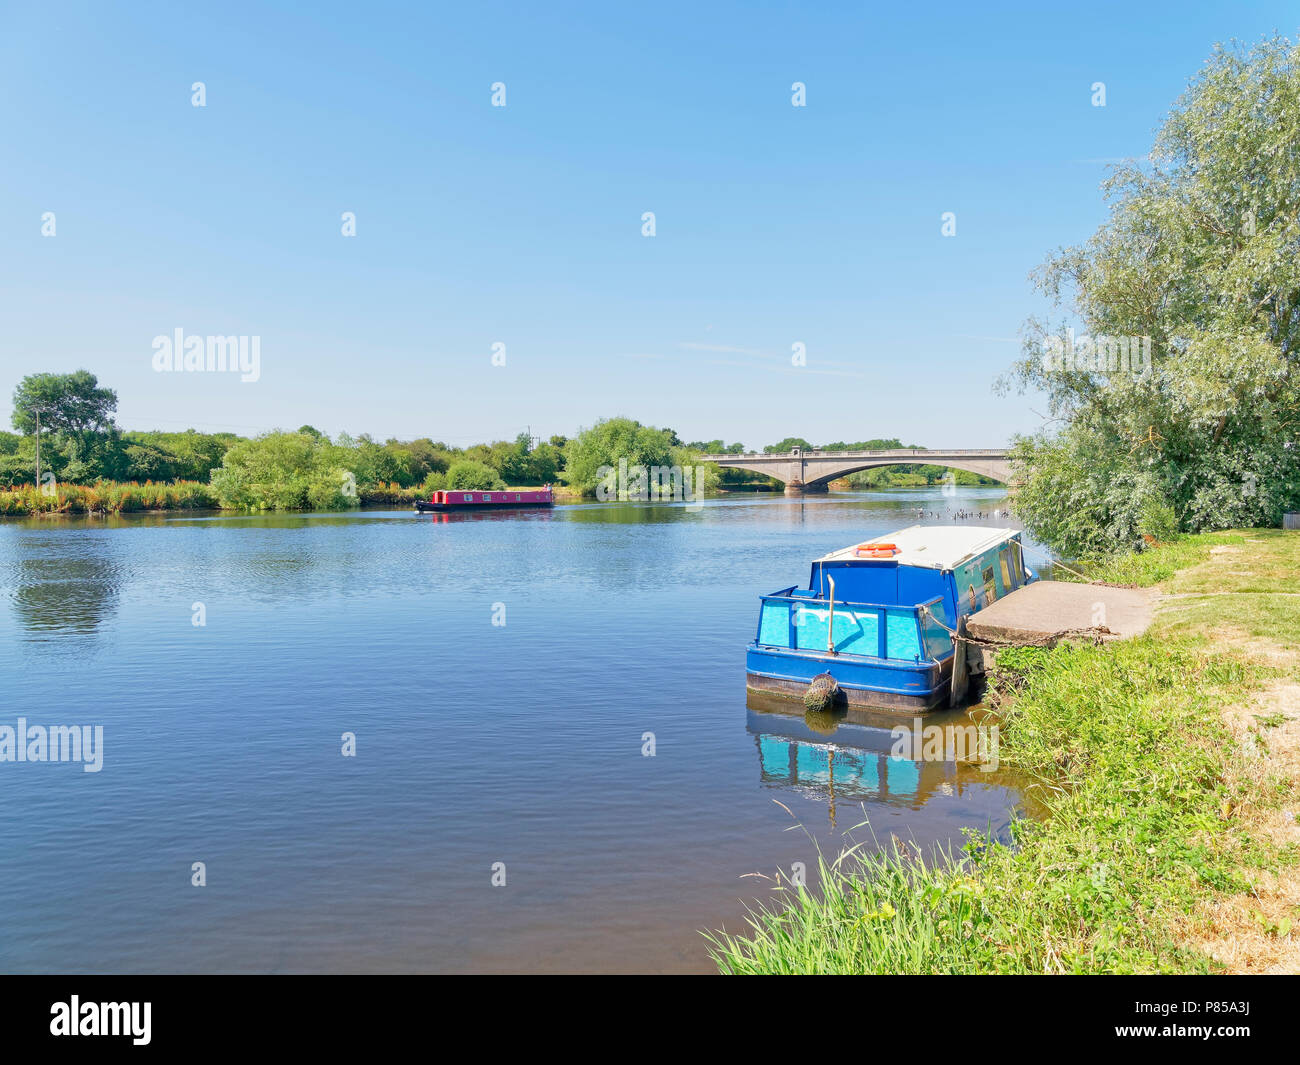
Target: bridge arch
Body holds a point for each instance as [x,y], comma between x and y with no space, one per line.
[968,467]
[812,470]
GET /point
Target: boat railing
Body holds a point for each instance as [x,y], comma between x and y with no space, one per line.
[920,640]
[821,600]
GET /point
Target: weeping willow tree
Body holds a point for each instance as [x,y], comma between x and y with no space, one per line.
[1171,371]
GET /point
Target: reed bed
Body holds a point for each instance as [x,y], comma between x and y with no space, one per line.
[107,497]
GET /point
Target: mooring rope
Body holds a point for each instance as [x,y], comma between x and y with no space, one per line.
[1054,563]
[1083,576]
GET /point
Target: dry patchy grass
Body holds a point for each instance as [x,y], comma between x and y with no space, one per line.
[1247,599]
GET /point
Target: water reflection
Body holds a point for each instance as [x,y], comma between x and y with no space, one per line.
[448,517]
[63,589]
[848,756]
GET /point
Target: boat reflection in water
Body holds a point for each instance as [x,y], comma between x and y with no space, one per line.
[849,756]
[502,514]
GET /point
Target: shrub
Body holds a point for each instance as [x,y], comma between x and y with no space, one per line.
[287,471]
[470,474]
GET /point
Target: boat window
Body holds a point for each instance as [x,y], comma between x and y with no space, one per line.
[469,498]
[990,586]
[1004,557]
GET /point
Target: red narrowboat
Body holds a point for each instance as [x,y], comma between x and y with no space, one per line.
[478,499]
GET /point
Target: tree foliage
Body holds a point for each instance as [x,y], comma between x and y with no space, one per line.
[70,403]
[606,443]
[75,417]
[287,471]
[615,440]
[1200,254]
[783,447]
[466,473]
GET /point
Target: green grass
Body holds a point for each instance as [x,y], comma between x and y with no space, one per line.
[1125,747]
[1155,564]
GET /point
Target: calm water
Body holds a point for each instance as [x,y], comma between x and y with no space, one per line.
[476,743]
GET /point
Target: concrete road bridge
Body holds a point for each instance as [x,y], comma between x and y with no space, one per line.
[811,470]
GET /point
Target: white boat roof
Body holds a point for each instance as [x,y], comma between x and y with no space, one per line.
[931,546]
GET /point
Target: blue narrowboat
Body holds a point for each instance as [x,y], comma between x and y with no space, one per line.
[877,616]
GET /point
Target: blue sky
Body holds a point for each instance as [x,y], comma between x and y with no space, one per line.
[522,225]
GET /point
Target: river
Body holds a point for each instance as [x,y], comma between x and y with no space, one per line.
[500,674]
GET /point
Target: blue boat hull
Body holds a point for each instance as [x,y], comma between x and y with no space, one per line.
[872,682]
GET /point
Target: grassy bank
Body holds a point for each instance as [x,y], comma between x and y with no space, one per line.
[1148,568]
[1167,765]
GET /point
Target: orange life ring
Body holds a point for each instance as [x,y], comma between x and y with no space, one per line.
[875,550]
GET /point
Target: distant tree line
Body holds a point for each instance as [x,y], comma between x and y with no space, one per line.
[305,469]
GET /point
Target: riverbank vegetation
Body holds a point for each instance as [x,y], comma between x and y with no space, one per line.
[614,441]
[1172,372]
[83,450]
[1167,765]
[87,464]
[106,497]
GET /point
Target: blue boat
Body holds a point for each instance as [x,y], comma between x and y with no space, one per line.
[878,616]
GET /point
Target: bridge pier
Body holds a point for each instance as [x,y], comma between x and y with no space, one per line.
[798,488]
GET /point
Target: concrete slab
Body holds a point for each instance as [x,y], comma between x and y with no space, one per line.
[1039,613]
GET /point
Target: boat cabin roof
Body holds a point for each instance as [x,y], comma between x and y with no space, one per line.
[930,546]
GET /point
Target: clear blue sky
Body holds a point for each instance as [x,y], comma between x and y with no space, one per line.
[522,224]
